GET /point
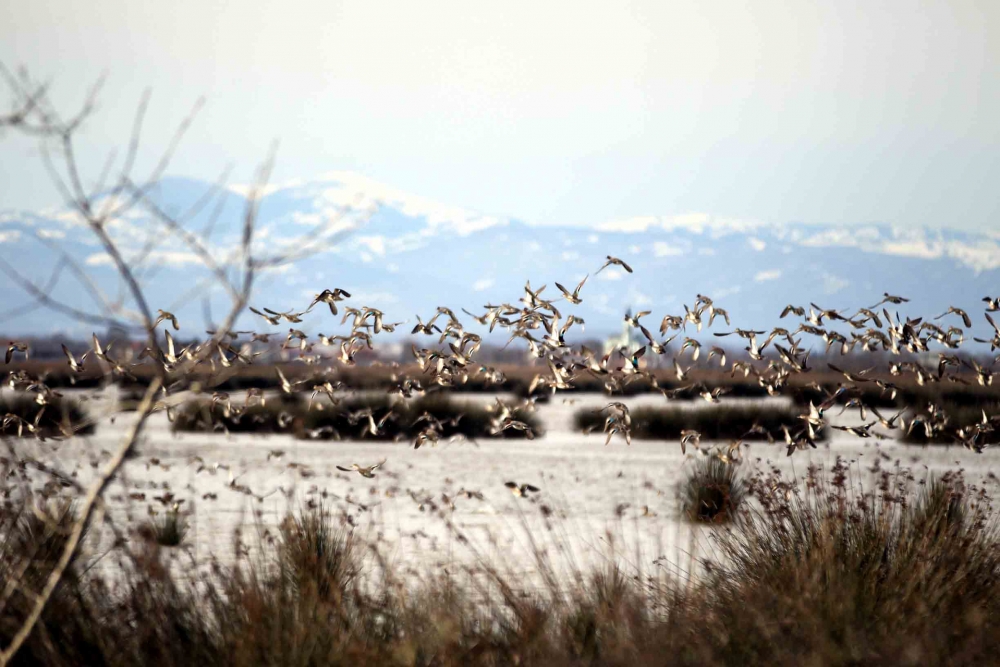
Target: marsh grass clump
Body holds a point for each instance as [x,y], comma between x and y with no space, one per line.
[846,575]
[318,554]
[941,505]
[278,414]
[300,601]
[815,571]
[130,399]
[59,416]
[33,538]
[58,375]
[456,417]
[721,422]
[131,614]
[870,394]
[166,530]
[475,420]
[956,396]
[954,420]
[290,413]
[344,420]
[713,491]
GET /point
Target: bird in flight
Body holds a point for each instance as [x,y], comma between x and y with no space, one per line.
[166,315]
[329,297]
[521,490]
[13,347]
[574,296]
[889,298]
[75,364]
[368,471]
[966,320]
[615,261]
[272,320]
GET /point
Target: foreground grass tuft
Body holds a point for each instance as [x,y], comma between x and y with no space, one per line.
[713,491]
[815,571]
[168,530]
[318,555]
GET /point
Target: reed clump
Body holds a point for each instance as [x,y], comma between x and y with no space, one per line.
[167,529]
[279,414]
[907,395]
[405,419]
[60,416]
[349,418]
[713,490]
[725,421]
[870,394]
[829,574]
[957,423]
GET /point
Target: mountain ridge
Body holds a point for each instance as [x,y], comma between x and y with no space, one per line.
[407,254]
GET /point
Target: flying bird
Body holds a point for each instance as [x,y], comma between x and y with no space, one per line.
[368,471]
[272,320]
[615,261]
[75,364]
[957,311]
[522,490]
[13,347]
[329,297]
[165,315]
[574,296]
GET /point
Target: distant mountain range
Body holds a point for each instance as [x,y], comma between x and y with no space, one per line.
[406,255]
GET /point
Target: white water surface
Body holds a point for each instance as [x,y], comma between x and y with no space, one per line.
[597,502]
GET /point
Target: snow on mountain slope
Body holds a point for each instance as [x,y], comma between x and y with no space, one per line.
[407,254]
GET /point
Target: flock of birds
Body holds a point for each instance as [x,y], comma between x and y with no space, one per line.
[772,359]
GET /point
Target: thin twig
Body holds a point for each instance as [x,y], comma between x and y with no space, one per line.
[86,512]
[42,297]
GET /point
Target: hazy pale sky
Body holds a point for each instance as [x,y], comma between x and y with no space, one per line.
[570,112]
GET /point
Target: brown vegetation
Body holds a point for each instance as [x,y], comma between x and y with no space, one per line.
[21,414]
[813,573]
[725,421]
[713,490]
[348,419]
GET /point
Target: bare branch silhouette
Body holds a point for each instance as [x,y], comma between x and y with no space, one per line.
[37,117]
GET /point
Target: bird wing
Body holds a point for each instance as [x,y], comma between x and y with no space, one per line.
[170,343]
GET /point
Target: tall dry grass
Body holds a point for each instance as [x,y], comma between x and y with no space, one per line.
[814,572]
[713,490]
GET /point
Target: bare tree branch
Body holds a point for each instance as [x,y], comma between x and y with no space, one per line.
[192,242]
[87,509]
[48,301]
[71,186]
[82,277]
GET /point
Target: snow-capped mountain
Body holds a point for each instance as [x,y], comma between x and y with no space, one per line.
[406,255]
